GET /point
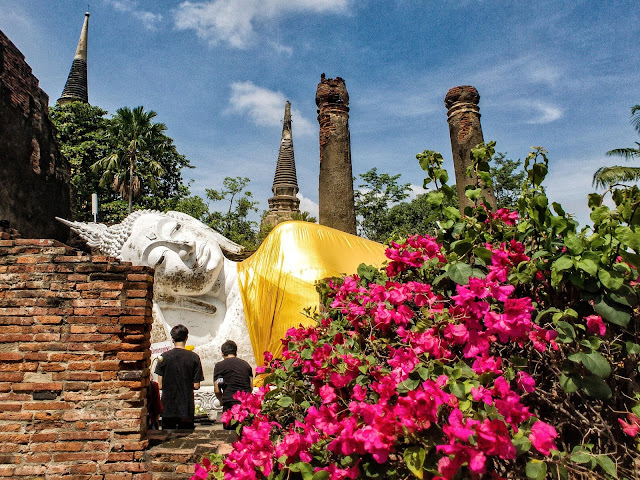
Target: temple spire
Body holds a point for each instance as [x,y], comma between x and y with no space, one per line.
[76,89]
[284,202]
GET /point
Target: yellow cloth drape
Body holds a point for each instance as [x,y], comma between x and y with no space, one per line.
[278,281]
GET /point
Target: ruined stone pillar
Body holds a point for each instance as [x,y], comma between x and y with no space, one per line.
[336,202]
[465,130]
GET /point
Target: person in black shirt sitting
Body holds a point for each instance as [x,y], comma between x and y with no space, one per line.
[231,375]
[179,374]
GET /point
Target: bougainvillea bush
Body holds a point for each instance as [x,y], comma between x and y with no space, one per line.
[505,345]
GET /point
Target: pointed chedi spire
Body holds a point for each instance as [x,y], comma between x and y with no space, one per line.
[76,89]
[284,202]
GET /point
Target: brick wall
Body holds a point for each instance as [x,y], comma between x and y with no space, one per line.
[34,176]
[74,363]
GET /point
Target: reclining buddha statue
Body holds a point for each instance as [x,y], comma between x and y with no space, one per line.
[253,302]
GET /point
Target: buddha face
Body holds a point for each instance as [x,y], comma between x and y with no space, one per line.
[184,252]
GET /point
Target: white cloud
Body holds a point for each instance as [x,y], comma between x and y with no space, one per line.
[233,21]
[416,190]
[527,69]
[543,112]
[149,20]
[265,107]
[308,205]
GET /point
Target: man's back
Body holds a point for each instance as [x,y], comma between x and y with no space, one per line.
[237,375]
[180,369]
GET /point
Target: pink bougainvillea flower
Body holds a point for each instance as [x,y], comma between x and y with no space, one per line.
[487,364]
[632,427]
[200,473]
[596,325]
[525,382]
[542,436]
[327,394]
[482,393]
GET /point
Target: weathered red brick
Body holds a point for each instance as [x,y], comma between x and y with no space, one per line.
[11,356]
[34,387]
[56,447]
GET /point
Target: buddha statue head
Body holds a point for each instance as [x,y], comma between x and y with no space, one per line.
[185,253]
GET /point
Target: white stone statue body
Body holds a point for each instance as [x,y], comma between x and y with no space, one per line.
[194,284]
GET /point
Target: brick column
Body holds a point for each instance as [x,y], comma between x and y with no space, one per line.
[463,116]
[74,349]
[336,203]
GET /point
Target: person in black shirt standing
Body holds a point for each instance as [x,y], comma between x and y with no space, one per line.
[231,375]
[179,374]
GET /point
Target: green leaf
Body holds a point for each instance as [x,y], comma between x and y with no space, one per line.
[536,469]
[408,385]
[522,444]
[596,387]
[321,475]
[632,348]
[596,364]
[558,209]
[610,279]
[594,200]
[615,314]
[473,193]
[483,253]
[434,199]
[563,263]
[581,457]
[459,273]
[588,266]
[607,464]
[458,390]
[538,254]
[598,214]
[414,458]
[628,237]
[461,246]
[569,383]
[573,244]
[285,402]
[566,332]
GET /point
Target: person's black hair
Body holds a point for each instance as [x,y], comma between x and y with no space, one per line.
[179,333]
[229,348]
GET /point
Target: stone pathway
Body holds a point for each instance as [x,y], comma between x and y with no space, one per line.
[173,453]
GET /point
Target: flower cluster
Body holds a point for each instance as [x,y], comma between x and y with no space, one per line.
[396,366]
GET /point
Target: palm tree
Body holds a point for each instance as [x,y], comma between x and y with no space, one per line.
[137,141]
[607,176]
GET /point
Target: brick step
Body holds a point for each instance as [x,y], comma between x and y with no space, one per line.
[173,453]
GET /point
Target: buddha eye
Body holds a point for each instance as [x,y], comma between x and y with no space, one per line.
[176,229]
[160,260]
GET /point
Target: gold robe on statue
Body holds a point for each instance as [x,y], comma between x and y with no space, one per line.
[278,281]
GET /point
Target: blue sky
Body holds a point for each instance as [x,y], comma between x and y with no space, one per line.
[559,74]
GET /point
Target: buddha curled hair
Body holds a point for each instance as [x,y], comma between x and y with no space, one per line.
[110,239]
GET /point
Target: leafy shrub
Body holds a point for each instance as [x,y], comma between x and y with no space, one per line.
[506,346]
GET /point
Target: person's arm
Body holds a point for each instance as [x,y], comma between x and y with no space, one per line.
[196,386]
[160,382]
[217,391]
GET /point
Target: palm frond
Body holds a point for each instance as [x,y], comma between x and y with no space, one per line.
[607,176]
[626,153]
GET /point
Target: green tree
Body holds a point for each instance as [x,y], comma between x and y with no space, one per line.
[234,224]
[507,180]
[304,217]
[136,141]
[86,137]
[81,133]
[192,205]
[375,195]
[607,176]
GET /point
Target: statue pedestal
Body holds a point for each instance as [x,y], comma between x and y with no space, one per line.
[205,398]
